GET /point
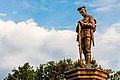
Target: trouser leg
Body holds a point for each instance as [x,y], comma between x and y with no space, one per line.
[88,51]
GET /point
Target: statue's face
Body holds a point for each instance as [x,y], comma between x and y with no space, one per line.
[83,12]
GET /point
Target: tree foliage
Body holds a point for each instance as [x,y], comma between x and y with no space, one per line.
[26,72]
[114,75]
[49,71]
[52,71]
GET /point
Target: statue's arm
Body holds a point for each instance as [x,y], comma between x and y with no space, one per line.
[77,28]
[91,22]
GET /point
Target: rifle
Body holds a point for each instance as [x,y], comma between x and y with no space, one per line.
[78,30]
[93,39]
[93,30]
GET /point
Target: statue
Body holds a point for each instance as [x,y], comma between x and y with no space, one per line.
[85,36]
[85,29]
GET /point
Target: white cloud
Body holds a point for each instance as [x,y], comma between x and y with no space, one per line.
[96,3]
[103,9]
[40,7]
[2,14]
[107,46]
[108,8]
[27,42]
[26,4]
[101,5]
[80,2]
[14,12]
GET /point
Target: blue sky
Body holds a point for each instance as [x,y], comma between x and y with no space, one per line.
[44,12]
[57,13]
[38,31]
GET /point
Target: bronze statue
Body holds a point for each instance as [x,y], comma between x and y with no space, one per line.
[85,29]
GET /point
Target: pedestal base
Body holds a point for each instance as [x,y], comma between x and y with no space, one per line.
[86,74]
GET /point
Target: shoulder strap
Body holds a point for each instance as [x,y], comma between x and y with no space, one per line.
[95,21]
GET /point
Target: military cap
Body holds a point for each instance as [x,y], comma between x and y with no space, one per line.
[80,8]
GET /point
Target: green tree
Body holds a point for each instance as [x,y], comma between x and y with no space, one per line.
[114,75]
[39,73]
[26,72]
[52,71]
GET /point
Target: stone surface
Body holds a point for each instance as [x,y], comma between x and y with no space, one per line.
[86,74]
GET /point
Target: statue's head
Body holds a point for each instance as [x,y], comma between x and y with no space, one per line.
[82,10]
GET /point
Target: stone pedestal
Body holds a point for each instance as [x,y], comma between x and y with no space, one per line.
[86,74]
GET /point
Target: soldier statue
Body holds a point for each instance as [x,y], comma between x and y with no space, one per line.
[85,29]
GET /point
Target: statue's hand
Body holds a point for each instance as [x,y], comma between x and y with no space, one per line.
[82,23]
[86,24]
